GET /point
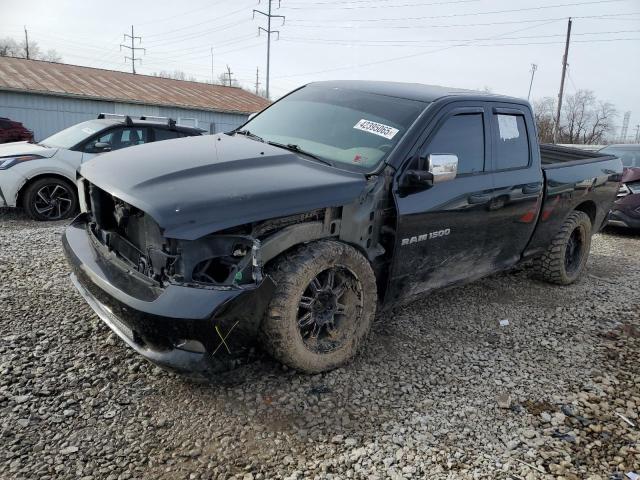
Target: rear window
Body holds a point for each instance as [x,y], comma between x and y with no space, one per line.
[164,134]
[511,142]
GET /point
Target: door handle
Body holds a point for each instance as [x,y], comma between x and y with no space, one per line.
[478,198]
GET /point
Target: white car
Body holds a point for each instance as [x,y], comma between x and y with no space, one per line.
[40,177]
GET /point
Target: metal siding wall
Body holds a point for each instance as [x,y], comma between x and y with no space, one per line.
[222,122]
[46,115]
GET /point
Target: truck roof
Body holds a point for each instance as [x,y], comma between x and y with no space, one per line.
[413,91]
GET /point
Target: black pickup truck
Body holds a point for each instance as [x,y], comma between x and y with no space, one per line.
[339,199]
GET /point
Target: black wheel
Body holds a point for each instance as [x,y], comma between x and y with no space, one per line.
[567,255]
[323,306]
[50,199]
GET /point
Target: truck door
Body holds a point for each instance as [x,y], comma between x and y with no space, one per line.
[518,184]
[442,228]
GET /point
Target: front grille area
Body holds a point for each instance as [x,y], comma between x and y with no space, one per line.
[126,230]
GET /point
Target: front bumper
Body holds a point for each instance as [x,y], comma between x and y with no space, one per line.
[191,330]
[618,218]
[626,212]
[10,183]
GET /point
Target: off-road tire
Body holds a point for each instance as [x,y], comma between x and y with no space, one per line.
[293,272]
[30,196]
[551,265]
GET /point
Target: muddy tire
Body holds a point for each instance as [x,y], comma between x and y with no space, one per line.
[322,308]
[50,199]
[564,260]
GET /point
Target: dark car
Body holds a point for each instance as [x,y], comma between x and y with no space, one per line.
[626,210]
[12,131]
[338,199]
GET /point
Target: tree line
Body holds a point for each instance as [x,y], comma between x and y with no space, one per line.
[11,48]
[584,119]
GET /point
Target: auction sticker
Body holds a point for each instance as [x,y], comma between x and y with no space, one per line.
[379,129]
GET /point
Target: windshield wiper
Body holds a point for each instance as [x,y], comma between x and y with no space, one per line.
[248,134]
[296,148]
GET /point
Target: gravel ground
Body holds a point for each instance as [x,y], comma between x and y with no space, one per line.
[441,392]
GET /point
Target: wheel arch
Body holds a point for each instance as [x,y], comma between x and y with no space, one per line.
[40,176]
[283,252]
[589,207]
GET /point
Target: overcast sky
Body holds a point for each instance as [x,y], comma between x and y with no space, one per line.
[460,43]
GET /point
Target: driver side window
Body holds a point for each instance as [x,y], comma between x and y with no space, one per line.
[461,135]
[107,138]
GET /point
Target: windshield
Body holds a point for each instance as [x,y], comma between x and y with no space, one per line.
[630,156]
[340,126]
[70,137]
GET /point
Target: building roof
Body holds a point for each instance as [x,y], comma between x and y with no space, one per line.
[50,78]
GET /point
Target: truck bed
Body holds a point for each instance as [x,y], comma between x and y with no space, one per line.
[555,156]
[574,179]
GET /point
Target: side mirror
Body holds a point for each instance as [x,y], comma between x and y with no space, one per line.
[443,166]
[101,147]
[438,168]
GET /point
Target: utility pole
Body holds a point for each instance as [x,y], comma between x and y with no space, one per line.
[213,80]
[26,41]
[268,31]
[637,133]
[229,74]
[556,130]
[133,49]
[534,67]
[257,80]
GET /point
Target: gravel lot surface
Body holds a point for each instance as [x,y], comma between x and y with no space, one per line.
[441,392]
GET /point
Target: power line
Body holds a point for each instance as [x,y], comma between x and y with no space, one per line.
[173,17]
[369,6]
[132,49]
[269,31]
[614,16]
[207,22]
[405,43]
[515,10]
[428,52]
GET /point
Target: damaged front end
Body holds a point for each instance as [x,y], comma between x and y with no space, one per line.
[220,260]
[192,306]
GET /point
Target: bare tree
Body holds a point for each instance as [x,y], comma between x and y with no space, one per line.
[543,111]
[584,119]
[602,124]
[10,48]
[175,75]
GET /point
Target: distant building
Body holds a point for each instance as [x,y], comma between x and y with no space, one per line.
[47,97]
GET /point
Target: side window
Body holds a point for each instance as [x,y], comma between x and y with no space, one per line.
[90,147]
[164,134]
[461,135]
[511,140]
[130,137]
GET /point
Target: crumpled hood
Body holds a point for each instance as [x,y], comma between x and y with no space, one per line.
[198,185]
[25,148]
